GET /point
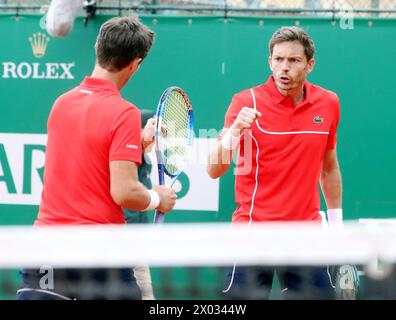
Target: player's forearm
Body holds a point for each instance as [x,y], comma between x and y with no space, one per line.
[219,161]
[133,196]
[331,184]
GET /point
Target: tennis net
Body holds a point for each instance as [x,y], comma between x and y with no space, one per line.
[197,261]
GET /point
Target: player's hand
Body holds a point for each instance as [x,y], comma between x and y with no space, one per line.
[167,198]
[245,119]
[148,133]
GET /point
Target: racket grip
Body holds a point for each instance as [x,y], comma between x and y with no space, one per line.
[159,216]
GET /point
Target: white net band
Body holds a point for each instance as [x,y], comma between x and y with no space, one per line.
[196,245]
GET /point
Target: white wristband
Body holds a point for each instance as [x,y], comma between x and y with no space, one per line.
[154,200]
[334,216]
[229,141]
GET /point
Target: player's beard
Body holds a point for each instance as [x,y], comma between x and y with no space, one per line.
[286,82]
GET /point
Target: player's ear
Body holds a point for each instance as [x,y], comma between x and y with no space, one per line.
[136,64]
[310,65]
[270,62]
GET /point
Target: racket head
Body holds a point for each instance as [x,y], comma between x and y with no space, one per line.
[174,132]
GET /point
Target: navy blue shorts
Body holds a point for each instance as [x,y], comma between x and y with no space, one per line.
[84,284]
[255,283]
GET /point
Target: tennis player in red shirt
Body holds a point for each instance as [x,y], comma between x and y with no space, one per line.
[286,130]
[93,152]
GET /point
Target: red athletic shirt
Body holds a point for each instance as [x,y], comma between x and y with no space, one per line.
[290,143]
[87,128]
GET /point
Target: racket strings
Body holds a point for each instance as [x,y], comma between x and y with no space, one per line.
[176,133]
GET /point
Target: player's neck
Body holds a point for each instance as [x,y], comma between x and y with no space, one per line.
[113,77]
[295,94]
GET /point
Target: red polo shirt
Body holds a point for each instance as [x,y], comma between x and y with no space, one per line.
[87,128]
[280,158]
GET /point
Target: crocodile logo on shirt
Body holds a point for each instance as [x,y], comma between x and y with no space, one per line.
[317,119]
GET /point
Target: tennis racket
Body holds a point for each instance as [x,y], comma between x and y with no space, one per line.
[174,137]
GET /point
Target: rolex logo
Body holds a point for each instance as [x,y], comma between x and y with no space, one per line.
[39,42]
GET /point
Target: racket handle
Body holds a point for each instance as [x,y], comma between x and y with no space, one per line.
[159,216]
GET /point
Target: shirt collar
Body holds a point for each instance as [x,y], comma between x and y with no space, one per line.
[279,98]
[99,84]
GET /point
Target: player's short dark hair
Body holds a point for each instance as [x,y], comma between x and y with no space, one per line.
[286,34]
[120,41]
